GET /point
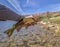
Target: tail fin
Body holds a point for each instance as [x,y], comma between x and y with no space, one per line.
[10,31]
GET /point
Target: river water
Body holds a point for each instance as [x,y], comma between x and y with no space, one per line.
[4,25]
[33,35]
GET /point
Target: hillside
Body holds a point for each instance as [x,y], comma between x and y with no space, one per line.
[7,14]
[45,14]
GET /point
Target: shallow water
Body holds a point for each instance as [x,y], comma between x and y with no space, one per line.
[4,25]
[34,36]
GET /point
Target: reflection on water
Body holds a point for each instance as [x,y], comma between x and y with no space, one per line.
[4,25]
